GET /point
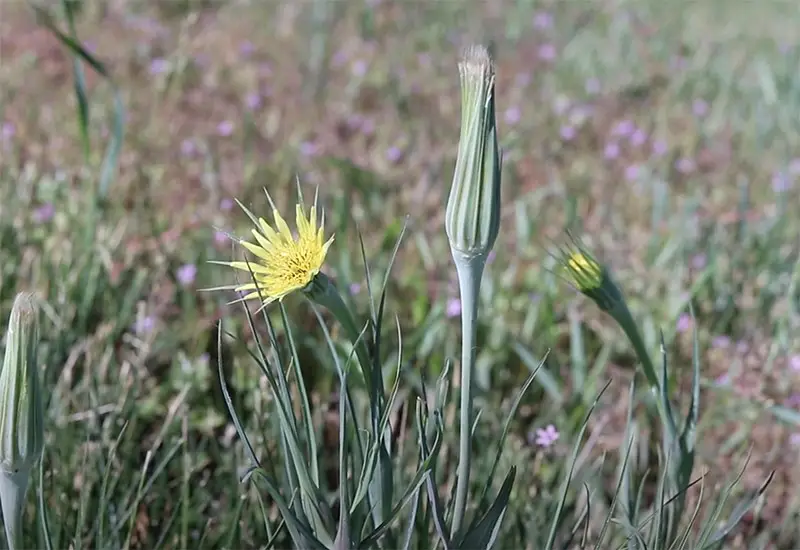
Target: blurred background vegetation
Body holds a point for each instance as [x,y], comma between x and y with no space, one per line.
[664,134]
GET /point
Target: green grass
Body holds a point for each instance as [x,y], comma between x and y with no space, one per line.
[140,449]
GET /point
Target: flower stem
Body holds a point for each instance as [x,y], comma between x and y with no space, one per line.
[470,271]
[13,488]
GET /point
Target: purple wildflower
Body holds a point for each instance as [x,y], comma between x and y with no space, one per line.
[188,147]
[225,204]
[699,261]
[568,132]
[742,347]
[308,148]
[684,322]
[611,151]
[225,128]
[359,68]
[638,137]
[632,172]
[220,237]
[512,115]
[453,307]
[660,147]
[394,154]
[543,20]
[159,66]
[780,182]
[44,213]
[699,107]
[722,379]
[685,165]
[246,48]
[144,325]
[794,362]
[8,130]
[186,274]
[253,100]
[545,437]
[368,127]
[721,342]
[547,52]
[623,128]
[355,288]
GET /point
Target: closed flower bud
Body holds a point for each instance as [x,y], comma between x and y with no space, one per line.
[21,414]
[21,429]
[473,209]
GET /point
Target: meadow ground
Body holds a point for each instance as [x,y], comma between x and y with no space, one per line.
[664,134]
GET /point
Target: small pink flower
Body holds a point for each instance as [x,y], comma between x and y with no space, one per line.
[794,362]
[144,325]
[721,342]
[394,154]
[543,20]
[186,274]
[225,205]
[684,322]
[253,101]
[44,213]
[225,128]
[685,165]
[355,288]
[512,115]
[547,436]
[568,133]
[611,151]
[660,147]
[453,307]
[547,52]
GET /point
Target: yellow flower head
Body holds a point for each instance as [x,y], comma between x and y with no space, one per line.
[583,271]
[283,262]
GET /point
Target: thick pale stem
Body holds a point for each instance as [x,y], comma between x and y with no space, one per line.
[470,271]
[13,489]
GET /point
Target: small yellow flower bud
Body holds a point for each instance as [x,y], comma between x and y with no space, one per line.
[583,272]
[472,219]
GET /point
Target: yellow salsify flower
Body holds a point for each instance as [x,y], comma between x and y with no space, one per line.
[583,271]
[283,262]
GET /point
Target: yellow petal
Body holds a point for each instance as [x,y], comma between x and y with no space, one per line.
[283,228]
[269,233]
[263,242]
[300,221]
[252,266]
[255,249]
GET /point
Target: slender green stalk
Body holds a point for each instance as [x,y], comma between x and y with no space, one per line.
[13,490]
[470,271]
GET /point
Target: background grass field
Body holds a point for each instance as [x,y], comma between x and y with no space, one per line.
[664,134]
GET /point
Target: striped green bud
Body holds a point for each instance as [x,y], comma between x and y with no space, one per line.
[21,414]
[472,220]
[21,427]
